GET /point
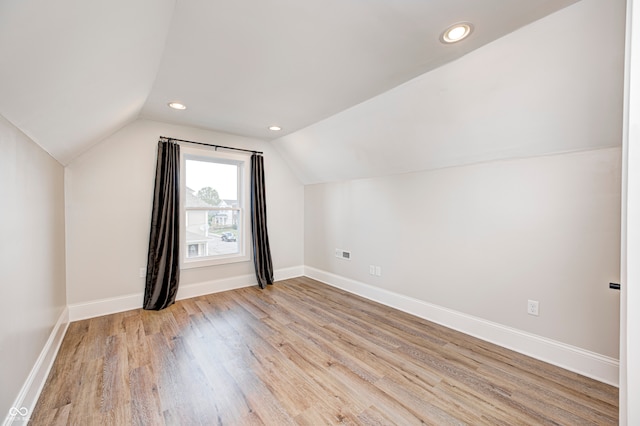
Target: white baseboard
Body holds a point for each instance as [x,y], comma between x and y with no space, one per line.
[26,400]
[581,361]
[111,305]
[96,308]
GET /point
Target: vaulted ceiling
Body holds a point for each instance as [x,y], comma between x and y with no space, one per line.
[72,72]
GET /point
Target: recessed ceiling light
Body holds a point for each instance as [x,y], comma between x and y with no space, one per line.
[456,32]
[275,128]
[177,105]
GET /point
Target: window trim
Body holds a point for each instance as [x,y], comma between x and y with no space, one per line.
[244,231]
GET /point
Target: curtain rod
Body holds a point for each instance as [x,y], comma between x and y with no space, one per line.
[212,145]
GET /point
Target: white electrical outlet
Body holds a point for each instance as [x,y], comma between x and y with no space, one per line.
[378,271]
[533,307]
[372,270]
[143,272]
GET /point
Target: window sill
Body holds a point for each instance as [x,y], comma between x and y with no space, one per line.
[202,263]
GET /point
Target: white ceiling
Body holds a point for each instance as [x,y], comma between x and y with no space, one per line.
[553,86]
[73,71]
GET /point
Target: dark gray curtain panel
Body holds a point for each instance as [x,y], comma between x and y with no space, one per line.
[163,261]
[260,237]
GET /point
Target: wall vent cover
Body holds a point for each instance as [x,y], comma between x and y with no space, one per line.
[343,254]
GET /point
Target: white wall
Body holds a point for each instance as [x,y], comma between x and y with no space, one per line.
[109,193]
[483,239]
[32,259]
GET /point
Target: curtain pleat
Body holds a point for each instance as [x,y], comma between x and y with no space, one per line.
[260,237]
[163,262]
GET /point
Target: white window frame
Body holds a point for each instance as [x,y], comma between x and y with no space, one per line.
[244,228]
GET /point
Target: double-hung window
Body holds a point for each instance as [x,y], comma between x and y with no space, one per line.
[214,207]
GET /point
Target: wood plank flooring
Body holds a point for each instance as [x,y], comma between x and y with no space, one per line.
[301,352]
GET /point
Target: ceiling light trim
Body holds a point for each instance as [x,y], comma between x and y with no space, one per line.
[177,105]
[456,32]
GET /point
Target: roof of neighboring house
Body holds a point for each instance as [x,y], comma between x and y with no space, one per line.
[193,201]
[194,238]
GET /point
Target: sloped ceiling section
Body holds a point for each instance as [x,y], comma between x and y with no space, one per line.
[553,86]
[73,71]
[244,65]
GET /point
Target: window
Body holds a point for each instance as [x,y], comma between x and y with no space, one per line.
[214,207]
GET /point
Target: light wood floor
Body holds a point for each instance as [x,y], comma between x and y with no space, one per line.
[301,352]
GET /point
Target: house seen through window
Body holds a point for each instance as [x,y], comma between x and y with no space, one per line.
[213,207]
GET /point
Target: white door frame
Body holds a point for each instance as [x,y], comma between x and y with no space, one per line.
[630,250]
